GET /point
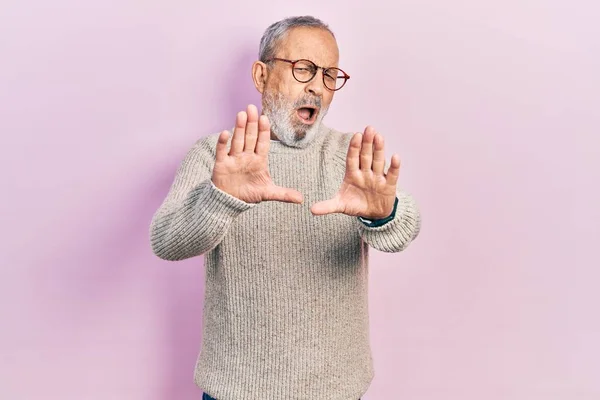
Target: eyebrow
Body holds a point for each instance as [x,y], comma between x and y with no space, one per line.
[332,65]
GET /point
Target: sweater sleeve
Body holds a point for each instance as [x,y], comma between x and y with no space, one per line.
[195,215]
[396,234]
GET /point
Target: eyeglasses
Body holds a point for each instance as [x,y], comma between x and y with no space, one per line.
[305,70]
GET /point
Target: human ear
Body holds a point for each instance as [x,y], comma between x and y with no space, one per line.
[259,75]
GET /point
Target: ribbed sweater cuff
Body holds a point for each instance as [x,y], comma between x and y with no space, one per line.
[217,203]
[397,233]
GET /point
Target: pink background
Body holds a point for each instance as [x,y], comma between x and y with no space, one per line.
[493,107]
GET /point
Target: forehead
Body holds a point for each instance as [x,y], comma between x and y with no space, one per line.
[315,44]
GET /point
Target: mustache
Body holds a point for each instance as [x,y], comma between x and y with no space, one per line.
[308,101]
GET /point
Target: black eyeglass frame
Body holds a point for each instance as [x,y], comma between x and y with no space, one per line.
[316,69]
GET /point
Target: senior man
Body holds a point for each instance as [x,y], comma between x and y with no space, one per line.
[284,211]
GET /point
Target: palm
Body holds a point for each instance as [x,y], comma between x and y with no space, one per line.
[374,198]
[366,190]
[246,174]
[243,172]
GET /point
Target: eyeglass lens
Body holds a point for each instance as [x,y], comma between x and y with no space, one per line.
[305,70]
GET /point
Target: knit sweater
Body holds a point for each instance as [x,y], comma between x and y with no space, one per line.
[285,311]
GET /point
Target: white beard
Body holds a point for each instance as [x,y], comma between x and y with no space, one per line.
[281,114]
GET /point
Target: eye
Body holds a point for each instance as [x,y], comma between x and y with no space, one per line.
[330,76]
[304,68]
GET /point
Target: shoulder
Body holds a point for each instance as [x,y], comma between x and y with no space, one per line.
[207,143]
[335,144]
[202,152]
[336,140]
[205,146]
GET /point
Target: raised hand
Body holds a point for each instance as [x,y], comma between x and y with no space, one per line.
[367,191]
[243,171]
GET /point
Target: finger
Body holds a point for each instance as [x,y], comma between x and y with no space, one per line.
[394,170]
[378,155]
[222,146]
[251,129]
[366,152]
[264,136]
[237,143]
[352,161]
[326,207]
[278,193]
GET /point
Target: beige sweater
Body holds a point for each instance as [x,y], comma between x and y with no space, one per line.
[285,310]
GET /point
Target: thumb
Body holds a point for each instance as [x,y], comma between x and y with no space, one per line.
[278,193]
[326,207]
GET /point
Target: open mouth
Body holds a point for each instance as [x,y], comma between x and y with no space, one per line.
[307,114]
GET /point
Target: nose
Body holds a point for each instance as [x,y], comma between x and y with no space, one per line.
[315,86]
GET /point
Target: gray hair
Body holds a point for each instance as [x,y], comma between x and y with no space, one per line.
[278,30]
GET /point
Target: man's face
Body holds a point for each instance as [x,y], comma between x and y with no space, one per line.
[296,109]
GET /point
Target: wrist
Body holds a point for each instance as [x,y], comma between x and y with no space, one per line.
[373,223]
